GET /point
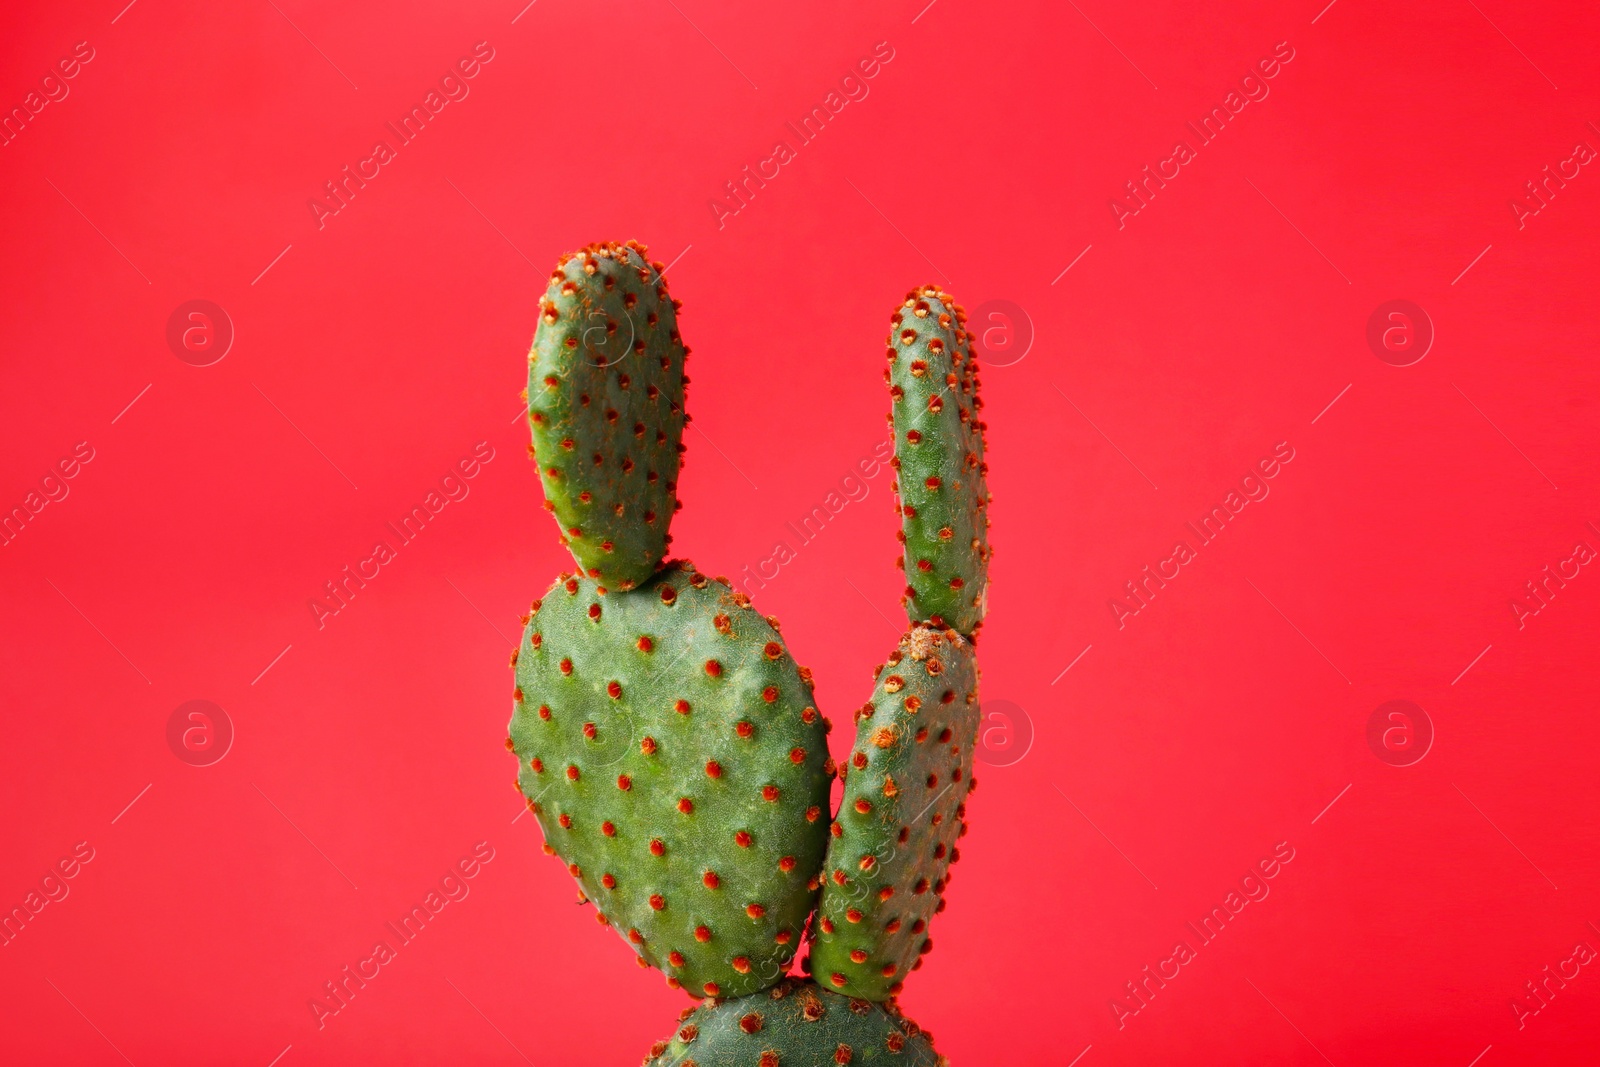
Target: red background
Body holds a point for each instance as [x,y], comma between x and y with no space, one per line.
[1222,319]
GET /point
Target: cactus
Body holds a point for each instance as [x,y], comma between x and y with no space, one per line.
[941,488]
[669,747]
[605,402]
[904,807]
[795,1024]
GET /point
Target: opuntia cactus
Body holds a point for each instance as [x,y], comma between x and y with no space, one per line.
[941,484]
[605,400]
[904,807]
[795,1024]
[668,744]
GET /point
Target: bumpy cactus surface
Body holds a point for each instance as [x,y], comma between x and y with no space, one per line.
[904,807]
[943,495]
[669,746]
[605,399]
[795,1024]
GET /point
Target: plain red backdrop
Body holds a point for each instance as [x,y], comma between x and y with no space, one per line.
[375,350]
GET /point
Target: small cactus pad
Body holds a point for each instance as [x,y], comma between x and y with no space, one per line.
[670,748]
[904,806]
[605,401]
[941,490]
[795,1024]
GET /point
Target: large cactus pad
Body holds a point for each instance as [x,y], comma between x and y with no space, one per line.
[605,400]
[904,806]
[671,750]
[943,496]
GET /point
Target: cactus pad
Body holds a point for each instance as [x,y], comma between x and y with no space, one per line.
[795,1024]
[904,807]
[942,492]
[605,402]
[670,748]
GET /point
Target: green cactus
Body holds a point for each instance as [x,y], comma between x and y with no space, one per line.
[904,807]
[605,401]
[669,746]
[795,1024]
[672,752]
[942,495]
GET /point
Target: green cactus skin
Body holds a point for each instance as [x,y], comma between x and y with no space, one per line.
[605,402]
[941,491]
[672,752]
[795,1024]
[904,806]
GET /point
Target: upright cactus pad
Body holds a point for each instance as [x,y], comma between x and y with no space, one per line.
[671,750]
[605,400]
[941,486]
[795,1024]
[904,806]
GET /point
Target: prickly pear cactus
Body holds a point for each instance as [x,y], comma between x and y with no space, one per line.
[669,746]
[672,752]
[904,807]
[605,402]
[795,1024]
[942,492]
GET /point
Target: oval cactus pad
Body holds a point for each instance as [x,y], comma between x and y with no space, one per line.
[942,493]
[795,1024]
[904,806]
[605,402]
[671,750]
